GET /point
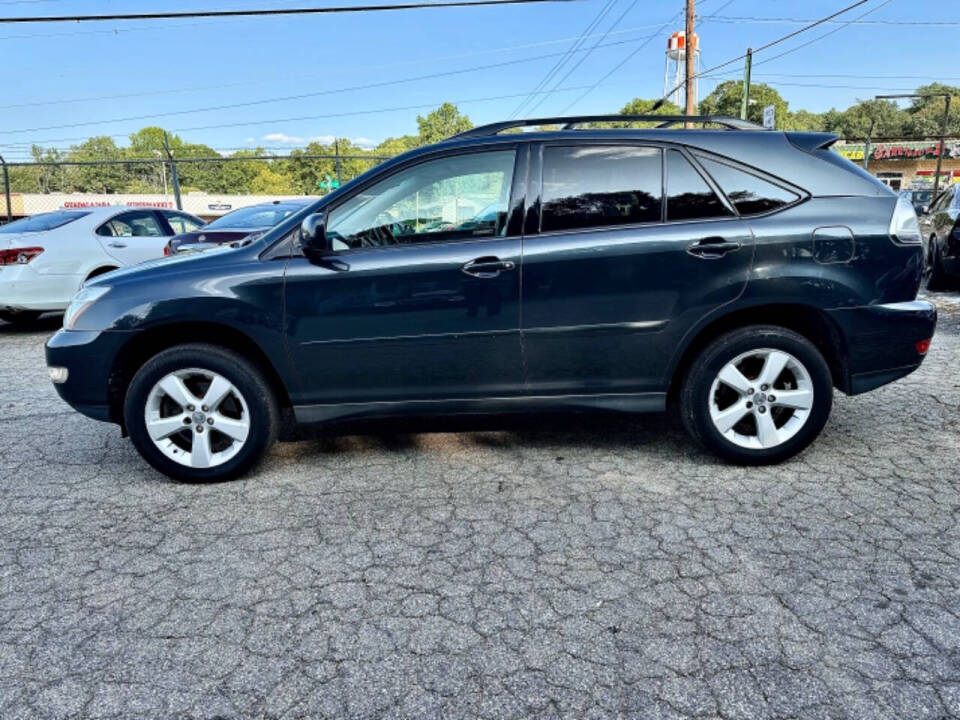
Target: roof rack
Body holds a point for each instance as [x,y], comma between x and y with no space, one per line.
[570,123]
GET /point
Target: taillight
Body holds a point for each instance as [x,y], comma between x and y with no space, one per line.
[904,228]
[166,251]
[922,346]
[19,256]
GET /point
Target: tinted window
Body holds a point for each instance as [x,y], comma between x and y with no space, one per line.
[749,194]
[688,195]
[600,186]
[42,222]
[183,223]
[453,198]
[254,218]
[132,224]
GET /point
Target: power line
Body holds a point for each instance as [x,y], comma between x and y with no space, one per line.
[739,19]
[586,55]
[267,11]
[300,96]
[573,48]
[308,117]
[766,46]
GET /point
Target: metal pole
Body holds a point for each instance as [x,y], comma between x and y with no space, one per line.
[866,146]
[745,101]
[174,176]
[6,187]
[336,150]
[943,136]
[688,54]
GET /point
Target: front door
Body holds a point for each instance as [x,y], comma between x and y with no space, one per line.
[633,247]
[421,299]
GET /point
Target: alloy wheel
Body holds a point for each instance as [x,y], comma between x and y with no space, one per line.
[197,418]
[761,398]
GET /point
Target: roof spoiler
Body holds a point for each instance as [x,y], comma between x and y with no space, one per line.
[810,141]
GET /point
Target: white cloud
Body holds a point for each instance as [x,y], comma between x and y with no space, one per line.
[279,138]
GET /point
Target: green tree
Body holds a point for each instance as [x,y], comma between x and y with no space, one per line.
[440,124]
[854,122]
[727,98]
[641,106]
[802,120]
[925,116]
[97,178]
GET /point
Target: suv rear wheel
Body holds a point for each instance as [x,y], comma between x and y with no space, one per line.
[757,395]
[200,413]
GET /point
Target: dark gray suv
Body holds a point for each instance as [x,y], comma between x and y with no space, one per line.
[738,272]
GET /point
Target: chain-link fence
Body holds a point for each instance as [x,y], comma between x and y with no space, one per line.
[204,186]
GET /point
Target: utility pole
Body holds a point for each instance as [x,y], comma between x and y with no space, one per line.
[943,137]
[745,101]
[689,53]
[174,175]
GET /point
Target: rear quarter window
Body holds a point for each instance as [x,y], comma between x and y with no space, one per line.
[749,194]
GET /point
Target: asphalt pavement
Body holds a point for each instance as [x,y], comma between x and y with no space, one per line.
[582,568]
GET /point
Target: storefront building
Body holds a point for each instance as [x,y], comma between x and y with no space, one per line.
[907,165]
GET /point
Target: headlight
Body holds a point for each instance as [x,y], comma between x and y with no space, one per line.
[904,228]
[86,297]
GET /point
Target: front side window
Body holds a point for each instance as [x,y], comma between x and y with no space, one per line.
[43,222]
[689,197]
[183,223]
[600,186]
[132,224]
[749,194]
[452,198]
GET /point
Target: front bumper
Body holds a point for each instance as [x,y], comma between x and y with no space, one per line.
[881,342]
[23,288]
[88,357]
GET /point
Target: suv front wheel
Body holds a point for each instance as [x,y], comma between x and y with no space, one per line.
[200,413]
[757,395]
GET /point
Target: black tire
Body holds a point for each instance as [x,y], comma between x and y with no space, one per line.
[264,415]
[937,279]
[20,318]
[695,394]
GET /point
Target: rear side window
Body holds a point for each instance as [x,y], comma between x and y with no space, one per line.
[43,222]
[689,197]
[749,194]
[600,186]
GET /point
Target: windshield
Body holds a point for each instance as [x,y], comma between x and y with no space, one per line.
[253,217]
[42,222]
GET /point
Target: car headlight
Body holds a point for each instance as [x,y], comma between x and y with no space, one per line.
[86,297]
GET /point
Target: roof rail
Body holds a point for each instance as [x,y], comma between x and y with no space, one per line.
[569,123]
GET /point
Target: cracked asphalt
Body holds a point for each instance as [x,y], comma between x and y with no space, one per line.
[583,568]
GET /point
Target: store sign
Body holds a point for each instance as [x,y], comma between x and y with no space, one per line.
[901,151]
[770,117]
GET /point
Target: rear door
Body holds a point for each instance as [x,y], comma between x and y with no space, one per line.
[134,236]
[633,245]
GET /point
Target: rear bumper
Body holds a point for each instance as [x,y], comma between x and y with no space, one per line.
[23,288]
[881,342]
[88,357]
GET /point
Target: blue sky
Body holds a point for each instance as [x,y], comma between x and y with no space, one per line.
[62,80]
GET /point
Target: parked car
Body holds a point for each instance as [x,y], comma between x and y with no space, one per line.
[742,273]
[44,259]
[242,223]
[940,226]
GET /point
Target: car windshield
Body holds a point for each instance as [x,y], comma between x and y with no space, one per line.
[253,217]
[42,222]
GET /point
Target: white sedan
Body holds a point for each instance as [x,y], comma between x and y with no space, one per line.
[45,258]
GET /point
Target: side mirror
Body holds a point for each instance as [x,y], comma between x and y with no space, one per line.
[313,236]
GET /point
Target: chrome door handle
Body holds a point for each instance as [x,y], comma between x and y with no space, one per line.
[487,267]
[710,248]
[117,244]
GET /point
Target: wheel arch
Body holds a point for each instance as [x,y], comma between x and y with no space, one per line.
[148,343]
[811,322]
[100,270]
